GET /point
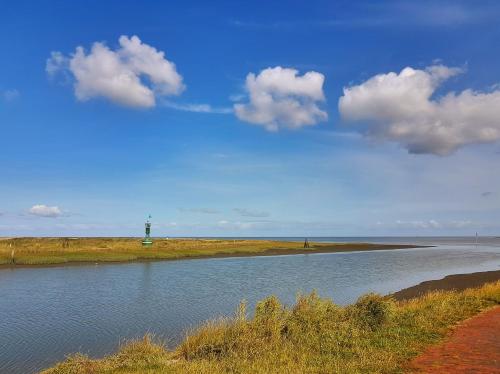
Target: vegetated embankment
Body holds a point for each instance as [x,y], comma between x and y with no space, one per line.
[56,251]
[377,334]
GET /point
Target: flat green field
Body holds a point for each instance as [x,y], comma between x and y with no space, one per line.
[48,251]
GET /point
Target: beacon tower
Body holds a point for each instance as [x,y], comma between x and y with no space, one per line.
[147,242]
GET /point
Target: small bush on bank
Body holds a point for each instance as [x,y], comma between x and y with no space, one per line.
[371,310]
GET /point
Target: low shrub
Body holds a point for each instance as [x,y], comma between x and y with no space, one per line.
[371,310]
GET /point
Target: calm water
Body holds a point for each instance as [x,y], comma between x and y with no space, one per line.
[46,313]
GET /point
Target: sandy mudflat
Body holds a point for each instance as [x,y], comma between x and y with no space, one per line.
[451,282]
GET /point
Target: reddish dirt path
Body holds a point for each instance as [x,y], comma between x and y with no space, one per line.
[473,347]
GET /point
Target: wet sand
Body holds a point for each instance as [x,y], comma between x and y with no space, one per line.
[457,282]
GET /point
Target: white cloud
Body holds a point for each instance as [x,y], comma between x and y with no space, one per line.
[55,63]
[400,108]
[251,213]
[419,224]
[279,98]
[403,14]
[236,225]
[199,210]
[133,75]
[9,95]
[236,97]
[45,211]
[197,108]
[433,224]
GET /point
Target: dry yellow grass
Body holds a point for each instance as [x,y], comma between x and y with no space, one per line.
[374,335]
[43,251]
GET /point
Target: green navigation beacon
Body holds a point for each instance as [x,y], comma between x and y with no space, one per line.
[147,242]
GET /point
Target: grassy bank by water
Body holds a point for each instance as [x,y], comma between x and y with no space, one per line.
[46,251]
[375,335]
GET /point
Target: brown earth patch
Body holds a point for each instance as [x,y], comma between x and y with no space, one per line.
[456,282]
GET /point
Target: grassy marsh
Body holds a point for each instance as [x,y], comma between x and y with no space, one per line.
[47,251]
[375,335]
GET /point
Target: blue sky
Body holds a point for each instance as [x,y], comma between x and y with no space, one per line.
[260,118]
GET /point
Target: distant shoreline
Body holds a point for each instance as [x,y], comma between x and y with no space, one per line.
[457,282]
[50,252]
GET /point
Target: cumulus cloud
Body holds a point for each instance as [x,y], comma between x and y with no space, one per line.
[250,213]
[280,98]
[401,108]
[45,211]
[134,74]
